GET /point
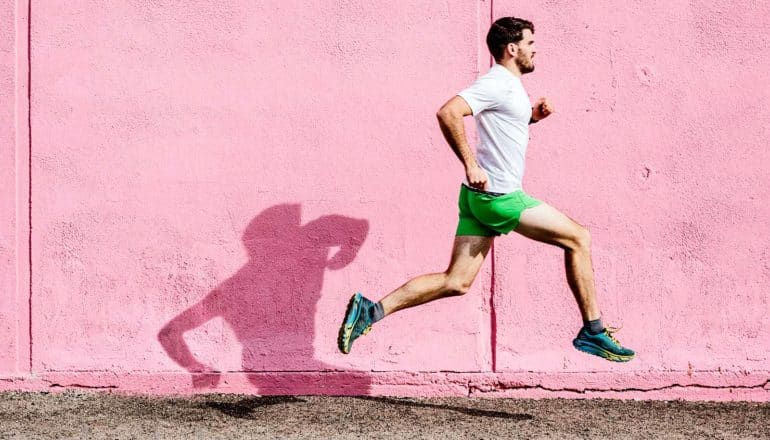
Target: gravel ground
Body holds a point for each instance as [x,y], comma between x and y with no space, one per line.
[94,415]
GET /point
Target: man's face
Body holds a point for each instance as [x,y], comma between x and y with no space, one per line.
[525,52]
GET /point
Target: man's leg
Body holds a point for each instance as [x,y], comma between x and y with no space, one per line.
[468,254]
[546,224]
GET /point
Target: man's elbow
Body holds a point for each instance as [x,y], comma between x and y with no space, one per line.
[441,114]
[446,113]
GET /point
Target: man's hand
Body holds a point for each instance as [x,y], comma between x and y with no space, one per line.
[542,109]
[477,177]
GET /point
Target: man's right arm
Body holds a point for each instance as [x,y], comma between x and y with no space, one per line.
[450,119]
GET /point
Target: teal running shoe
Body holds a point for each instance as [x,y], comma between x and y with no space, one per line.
[357,322]
[603,345]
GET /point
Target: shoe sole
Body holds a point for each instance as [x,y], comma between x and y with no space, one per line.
[346,329]
[590,348]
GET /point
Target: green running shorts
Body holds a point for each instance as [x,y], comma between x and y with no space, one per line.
[491,214]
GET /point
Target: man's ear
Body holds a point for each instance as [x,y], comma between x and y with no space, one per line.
[512,48]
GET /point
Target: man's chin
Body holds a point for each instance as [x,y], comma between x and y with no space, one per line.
[524,68]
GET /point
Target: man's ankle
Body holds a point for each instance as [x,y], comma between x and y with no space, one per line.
[594,327]
[376,312]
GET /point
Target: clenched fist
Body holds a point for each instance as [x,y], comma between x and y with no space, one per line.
[477,177]
[542,109]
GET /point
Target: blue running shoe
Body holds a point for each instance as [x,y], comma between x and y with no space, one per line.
[357,322]
[603,345]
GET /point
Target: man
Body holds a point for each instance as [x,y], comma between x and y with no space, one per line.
[492,201]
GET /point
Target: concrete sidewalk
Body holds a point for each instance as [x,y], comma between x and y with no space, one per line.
[102,415]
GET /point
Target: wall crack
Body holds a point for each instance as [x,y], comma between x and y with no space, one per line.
[77,385]
[502,387]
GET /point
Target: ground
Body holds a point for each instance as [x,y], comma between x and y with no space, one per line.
[93,415]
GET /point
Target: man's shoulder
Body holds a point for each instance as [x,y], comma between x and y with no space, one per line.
[494,79]
[498,77]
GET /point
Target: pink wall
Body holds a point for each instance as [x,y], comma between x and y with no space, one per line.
[14,193]
[7,194]
[195,169]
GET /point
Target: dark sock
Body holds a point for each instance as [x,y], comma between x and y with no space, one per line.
[376,312]
[594,327]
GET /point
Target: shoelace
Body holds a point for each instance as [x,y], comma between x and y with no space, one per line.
[610,330]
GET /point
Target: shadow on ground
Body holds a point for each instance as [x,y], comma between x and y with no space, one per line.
[246,408]
[460,409]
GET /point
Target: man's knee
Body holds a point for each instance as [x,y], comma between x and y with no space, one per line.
[457,285]
[581,239]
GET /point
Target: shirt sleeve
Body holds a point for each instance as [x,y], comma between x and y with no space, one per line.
[482,95]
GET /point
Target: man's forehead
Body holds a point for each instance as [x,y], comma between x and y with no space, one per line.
[527,35]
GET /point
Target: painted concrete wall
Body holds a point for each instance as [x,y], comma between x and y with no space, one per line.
[208,183]
[14,192]
[7,193]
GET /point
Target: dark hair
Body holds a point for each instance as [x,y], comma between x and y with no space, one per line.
[504,31]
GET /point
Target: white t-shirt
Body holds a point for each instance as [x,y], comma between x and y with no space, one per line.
[502,111]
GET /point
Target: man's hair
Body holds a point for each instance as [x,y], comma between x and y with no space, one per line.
[504,31]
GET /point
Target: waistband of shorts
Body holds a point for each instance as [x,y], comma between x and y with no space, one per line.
[489,193]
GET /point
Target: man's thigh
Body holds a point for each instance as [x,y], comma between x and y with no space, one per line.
[468,253]
[549,225]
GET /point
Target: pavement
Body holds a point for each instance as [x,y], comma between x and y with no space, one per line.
[109,415]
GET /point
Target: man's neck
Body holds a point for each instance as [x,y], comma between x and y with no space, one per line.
[510,64]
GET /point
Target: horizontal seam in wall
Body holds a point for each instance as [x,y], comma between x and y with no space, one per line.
[623,373]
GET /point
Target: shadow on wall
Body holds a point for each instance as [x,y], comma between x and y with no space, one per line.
[270,304]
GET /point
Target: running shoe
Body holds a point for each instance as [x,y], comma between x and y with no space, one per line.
[357,322]
[603,345]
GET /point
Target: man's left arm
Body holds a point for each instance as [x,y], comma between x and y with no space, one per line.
[541,110]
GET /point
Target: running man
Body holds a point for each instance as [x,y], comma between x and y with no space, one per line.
[492,201]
